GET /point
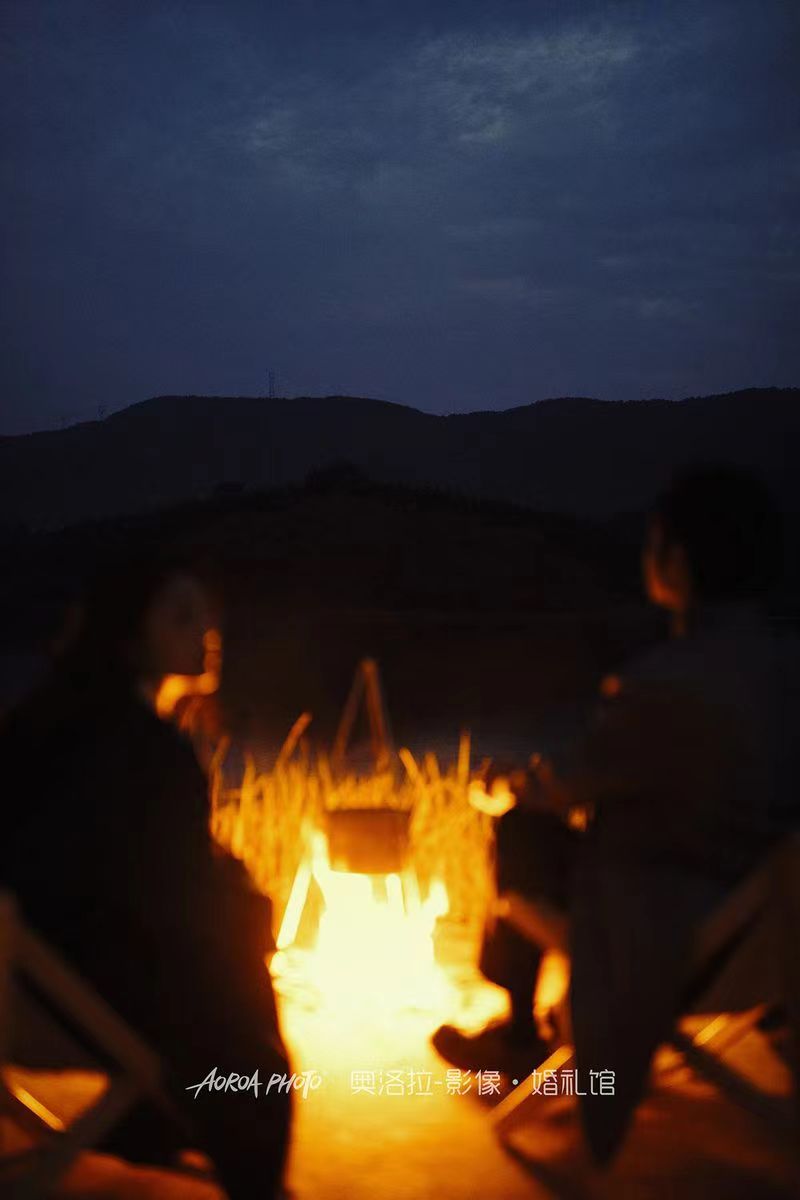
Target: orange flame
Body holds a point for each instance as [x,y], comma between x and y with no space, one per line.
[174,687]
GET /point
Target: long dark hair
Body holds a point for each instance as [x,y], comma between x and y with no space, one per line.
[95,668]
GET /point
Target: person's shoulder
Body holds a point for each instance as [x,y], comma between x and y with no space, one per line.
[131,729]
[667,662]
[661,683]
[738,664]
[729,634]
[172,742]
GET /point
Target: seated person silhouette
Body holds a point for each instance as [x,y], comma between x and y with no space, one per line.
[107,848]
[686,775]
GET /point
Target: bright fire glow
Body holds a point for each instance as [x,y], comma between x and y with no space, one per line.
[495,803]
[174,687]
[552,986]
[374,949]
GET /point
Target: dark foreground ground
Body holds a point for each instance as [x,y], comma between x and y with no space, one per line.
[686,1141]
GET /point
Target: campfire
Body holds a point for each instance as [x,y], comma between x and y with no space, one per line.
[374,938]
[362,866]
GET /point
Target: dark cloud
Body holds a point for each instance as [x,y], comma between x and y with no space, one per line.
[420,202]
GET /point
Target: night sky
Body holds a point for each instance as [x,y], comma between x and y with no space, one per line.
[451,205]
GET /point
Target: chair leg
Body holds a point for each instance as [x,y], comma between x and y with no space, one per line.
[726,1029]
[525,1099]
[703,1052]
[51,1160]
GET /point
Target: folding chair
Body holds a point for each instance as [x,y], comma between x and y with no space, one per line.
[134,1071]
[717,965]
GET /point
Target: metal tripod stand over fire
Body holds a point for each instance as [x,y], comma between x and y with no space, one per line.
[374,940]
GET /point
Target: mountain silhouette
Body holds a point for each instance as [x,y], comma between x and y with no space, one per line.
[592,458]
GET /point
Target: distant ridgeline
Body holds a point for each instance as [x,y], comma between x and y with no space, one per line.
[588,457]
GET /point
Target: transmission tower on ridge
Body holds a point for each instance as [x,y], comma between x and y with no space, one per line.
[271,385]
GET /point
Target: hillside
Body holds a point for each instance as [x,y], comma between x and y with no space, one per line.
[479,608]
[588,457]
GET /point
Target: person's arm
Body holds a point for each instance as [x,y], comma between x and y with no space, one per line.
[219,886]
[162,864]
[653,764]
[535,787]
[644,739]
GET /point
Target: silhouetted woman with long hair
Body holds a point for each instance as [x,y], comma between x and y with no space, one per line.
[106,845]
